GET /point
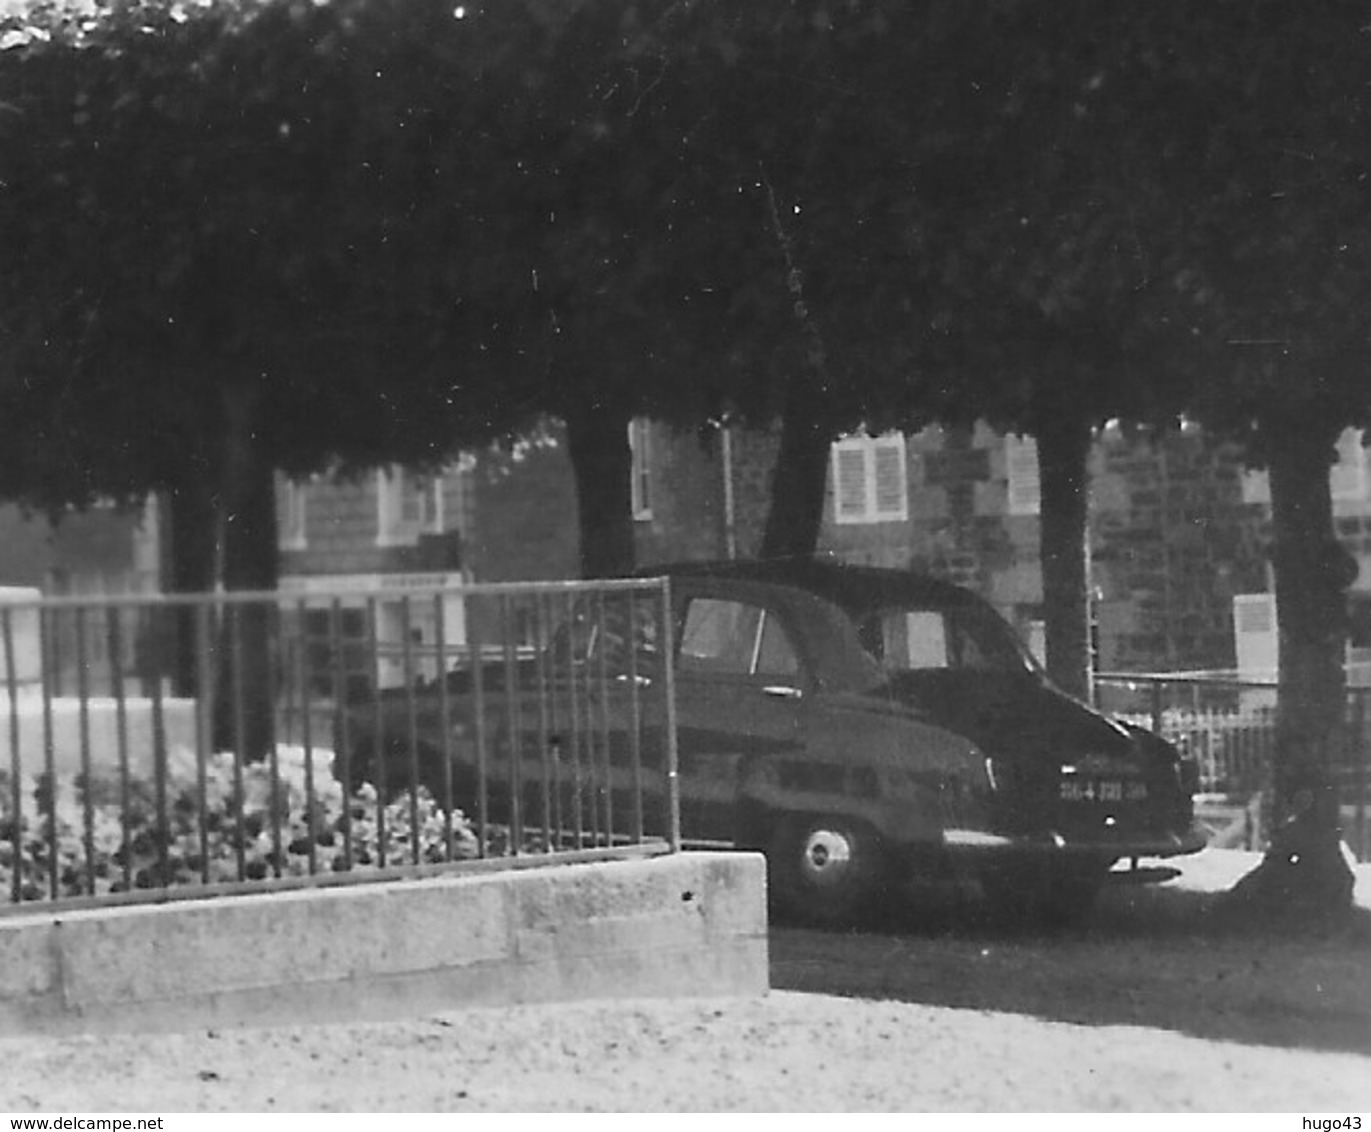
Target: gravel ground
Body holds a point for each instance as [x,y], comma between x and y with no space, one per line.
[783,1051]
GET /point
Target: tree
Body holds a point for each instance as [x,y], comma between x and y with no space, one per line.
[818,114]
[602,268]
[1270,165]
[179,310]
[944,184]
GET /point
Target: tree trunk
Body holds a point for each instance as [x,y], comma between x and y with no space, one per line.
[597,437]
[795,516]
[192,569]
[798,480]
[1063,476]
[1304,873]
[244,718]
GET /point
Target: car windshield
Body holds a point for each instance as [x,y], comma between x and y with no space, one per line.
[965,638]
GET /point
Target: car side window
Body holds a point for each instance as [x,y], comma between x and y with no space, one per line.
[734,638]
[775,656]
[719,636]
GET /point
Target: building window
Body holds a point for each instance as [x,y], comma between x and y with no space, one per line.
[640,446]
[407,505]
[292,509]
[1021,472]
[870,480]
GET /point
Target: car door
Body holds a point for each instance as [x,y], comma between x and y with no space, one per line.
[740,689]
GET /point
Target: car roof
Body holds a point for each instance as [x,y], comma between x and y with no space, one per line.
[825,633]
[855,588]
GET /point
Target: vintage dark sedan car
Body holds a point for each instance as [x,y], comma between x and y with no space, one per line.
[1074,790]
[838,736]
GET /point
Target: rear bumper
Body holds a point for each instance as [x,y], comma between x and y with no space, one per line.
[974,841]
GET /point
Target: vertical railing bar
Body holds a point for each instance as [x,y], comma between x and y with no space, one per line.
[669,696]
[594,647]
[512,726]
[159,756]
[121,725]
[1359,746]
[203,708]
[342,736]
[301,677]
[287,706]
[49,746]
[1251,756]
[557,740]
[382,782]
[235,690]
[1156,686]
[16,760]
[444,718]
[411,725]
[590,719]
[83,715]
[577,799]
[274,661]
[478,706]
[556,745]
[606,739]
[55,645]
[542,641]
[635,723]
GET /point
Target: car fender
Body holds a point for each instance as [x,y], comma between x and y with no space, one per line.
[909,780]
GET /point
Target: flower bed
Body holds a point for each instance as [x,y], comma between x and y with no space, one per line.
[243,823]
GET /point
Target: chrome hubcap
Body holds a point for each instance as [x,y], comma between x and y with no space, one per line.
[827,857]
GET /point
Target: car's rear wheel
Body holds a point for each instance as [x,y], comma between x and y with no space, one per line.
[825,868]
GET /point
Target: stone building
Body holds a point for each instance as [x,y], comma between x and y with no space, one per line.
[1179,530]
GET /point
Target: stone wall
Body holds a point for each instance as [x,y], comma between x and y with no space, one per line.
[342,519]
[678,925]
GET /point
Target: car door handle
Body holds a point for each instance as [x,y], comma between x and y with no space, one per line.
[783,691]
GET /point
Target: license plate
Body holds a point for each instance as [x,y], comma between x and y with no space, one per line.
[1102,790]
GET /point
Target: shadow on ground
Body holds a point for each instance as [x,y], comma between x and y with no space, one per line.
[1156,957]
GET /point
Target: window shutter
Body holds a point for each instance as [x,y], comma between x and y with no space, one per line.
[870,479]
[892,488]
[412,489]
[849,475]
[1256,635]
[408,505]
[1255,615]
[640,483]
[1021,467]
[292,509]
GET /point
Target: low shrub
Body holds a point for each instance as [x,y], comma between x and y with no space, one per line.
[241,824]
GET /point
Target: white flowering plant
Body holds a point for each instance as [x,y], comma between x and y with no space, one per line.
[237,821]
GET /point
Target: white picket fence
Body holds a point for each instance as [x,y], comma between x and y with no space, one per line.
[1235,749]
[1234,746]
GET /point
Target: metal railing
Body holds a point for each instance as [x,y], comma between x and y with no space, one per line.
[159,746]
[1229,727]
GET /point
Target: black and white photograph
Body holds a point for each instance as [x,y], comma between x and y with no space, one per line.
[680,556]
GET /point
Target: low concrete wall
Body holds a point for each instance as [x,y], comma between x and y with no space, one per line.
[686,924]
